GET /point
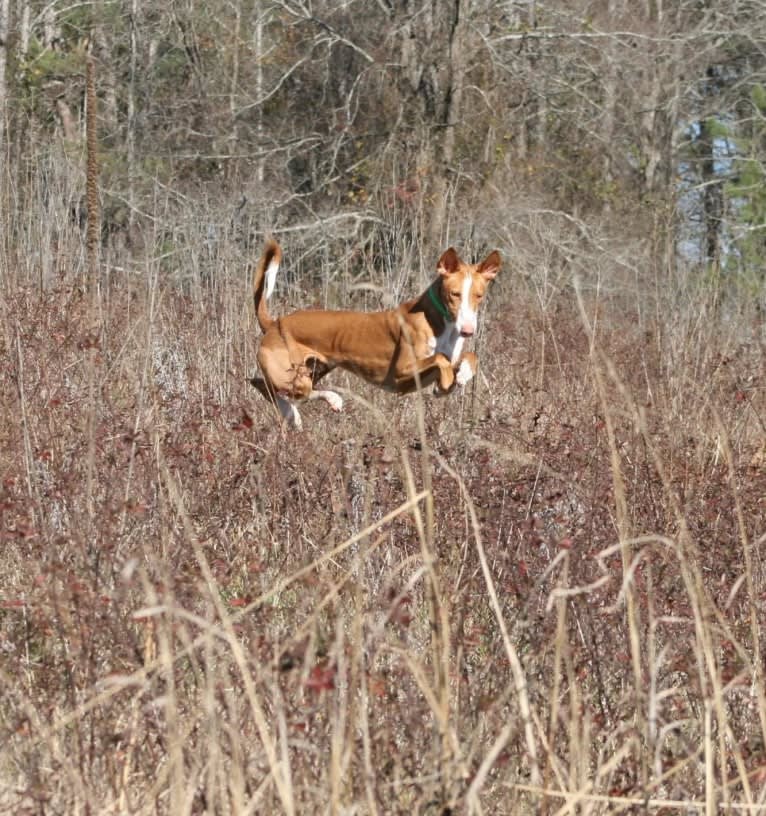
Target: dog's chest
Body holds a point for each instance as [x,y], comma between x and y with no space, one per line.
[449,343]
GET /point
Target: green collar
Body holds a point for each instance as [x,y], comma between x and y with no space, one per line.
[440,307]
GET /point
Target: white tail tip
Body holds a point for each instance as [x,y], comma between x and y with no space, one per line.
[271,276]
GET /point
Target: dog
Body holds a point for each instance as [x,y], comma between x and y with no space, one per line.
[418,344]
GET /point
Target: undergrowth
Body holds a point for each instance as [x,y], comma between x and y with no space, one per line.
[541,595]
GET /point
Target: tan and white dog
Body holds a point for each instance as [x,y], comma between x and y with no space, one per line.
[421,341]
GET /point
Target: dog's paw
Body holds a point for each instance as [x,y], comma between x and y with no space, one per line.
[335,401]
[464,373]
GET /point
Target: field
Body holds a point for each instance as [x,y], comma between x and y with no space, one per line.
[544,594]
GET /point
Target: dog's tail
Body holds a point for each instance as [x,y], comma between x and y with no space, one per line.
[264,278]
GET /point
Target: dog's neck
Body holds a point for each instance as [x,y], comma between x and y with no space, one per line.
[435,298]
[447,339]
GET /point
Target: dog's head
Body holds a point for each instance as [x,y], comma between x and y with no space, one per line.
[463,286]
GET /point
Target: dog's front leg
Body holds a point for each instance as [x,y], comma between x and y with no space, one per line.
[445,380]
[435,369]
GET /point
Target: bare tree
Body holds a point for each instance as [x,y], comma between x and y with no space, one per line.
[5,8]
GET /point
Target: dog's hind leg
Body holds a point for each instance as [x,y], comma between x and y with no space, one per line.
[284,381]
[290,413]
[260,385]
[284,406]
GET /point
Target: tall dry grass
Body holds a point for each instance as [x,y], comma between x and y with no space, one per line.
[543,595]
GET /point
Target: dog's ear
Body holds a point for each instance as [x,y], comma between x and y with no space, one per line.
[448,263]
[490,265]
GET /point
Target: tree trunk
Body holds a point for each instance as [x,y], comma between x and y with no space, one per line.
[107,80]
[446,122]
[611,80]
[5,10]
[91,176]
[712,195]
[232,163]
[130,138]
[533,127]
[433,66]
[258,43]
[24,23]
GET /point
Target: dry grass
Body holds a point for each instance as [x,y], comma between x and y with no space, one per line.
[542,596]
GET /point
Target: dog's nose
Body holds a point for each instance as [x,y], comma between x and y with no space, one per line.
[466,330]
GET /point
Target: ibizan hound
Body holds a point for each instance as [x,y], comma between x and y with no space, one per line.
[421,341]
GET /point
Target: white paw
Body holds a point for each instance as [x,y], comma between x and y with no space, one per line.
[335,401]
[464,373]
[431,346]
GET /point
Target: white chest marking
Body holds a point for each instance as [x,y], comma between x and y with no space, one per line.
[449,343]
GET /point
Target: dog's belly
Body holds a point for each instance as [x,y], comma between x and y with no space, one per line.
[374,373]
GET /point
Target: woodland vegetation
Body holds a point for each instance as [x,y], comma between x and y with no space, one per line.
[544,594]
[640,119]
